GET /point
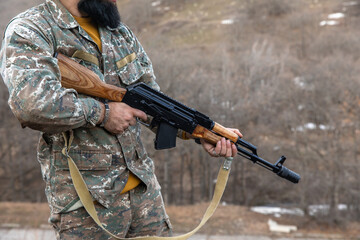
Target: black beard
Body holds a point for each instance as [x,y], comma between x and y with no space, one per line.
[103,12]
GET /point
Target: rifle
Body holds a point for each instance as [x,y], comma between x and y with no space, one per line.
[168,114]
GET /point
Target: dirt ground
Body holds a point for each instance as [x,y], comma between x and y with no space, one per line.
[227,220]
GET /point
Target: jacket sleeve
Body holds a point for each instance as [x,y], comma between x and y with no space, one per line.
[32,76]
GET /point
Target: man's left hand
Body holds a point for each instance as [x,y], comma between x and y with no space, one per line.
[223,148]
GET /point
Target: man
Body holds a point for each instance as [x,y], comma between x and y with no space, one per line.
[106,146]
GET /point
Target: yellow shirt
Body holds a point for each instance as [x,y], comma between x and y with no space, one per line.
[92,29]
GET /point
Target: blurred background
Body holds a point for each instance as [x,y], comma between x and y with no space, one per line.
[286,73]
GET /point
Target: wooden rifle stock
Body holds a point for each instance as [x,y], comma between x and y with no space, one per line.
[85,81]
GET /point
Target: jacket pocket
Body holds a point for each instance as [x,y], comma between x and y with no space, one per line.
[129,69]
[84,160]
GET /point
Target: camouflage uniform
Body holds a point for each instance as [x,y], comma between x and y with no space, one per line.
[37,99]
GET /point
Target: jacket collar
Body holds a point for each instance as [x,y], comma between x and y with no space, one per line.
[61,15]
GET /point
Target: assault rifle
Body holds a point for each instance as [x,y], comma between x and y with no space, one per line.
[168,114]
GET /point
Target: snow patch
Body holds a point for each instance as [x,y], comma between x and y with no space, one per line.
[320,209]
[312,126]
[277,211]
[275,227]
[333,19]
[156,3]
[227,21]
[336,16]
[329,23]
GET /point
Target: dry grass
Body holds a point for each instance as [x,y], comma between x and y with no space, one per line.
[24,214]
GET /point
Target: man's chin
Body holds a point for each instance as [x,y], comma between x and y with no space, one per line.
[104,13]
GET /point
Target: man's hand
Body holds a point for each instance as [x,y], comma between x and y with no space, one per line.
[122,116]
[223,148]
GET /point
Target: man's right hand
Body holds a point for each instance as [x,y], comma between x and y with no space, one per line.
[122,116]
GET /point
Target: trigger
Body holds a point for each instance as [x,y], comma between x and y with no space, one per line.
[143,123]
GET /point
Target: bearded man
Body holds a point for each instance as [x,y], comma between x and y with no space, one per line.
[106,144]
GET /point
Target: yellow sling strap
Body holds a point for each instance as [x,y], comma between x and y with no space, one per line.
[87,200]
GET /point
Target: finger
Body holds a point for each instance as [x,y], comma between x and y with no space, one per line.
[238,133]
[123,127]
[209,148]
[217,149]
[140,114]
[228,149]
[234,150]
[118,130]
[205,145]
[223,147]
[132,122]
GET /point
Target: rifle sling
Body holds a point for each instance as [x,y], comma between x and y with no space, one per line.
[87,201]
[86,57]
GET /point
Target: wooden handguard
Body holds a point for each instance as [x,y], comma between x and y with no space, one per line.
[221,130]
[85,81]
[203,133]
[215,135]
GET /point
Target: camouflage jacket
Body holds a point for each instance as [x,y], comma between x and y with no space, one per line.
[37,99]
